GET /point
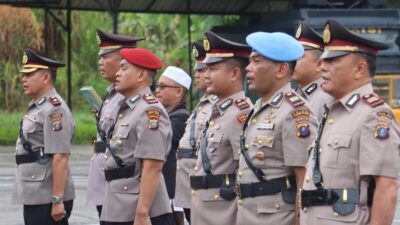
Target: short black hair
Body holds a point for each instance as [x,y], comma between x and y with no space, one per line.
[371,62]
[240,63]
[292,65]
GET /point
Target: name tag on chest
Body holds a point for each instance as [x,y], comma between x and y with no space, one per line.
[265,126]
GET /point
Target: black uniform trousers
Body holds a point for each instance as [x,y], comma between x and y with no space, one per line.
[165,219]
[41,214]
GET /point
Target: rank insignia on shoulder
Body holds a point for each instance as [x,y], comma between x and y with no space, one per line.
[150,98]
[303,130]
[373,100]
[224,105]
[242,118]
[311,88]
[381,131]
[242,104]
[294,99]
[56,121]
[154,118]
[54,101]
[353,100]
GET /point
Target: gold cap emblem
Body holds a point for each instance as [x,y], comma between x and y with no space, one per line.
[326,34]
[24,59]
[195,53]
[206,44]
[98,39]
[298,32]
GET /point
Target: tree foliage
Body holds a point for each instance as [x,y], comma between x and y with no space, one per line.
[166,36]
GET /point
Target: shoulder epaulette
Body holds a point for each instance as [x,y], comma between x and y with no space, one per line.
[54,101]
[373,100]
[242,104]
[225,104]
[150,98]
[294,99]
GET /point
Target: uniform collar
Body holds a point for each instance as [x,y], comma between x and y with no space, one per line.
[312,87]
[350,101]
[111,88]
[134,99]
[39,101]
[223,105]
[276,99]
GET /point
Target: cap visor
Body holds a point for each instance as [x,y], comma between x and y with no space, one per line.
[106,51]
[208,59]
[333,54]
[200,66]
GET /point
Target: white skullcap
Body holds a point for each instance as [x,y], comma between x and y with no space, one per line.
[178,75]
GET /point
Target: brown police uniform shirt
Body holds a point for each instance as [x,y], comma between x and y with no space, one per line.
[96,181]
[223,135]
[315,96]
[47,124]
[360,140]
[142,131]
[185,166]
[276,138]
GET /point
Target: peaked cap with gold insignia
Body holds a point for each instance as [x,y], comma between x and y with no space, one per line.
[308,37]
[199,54]
[32,62]
[112,42]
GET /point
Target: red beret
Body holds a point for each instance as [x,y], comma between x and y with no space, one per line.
[142,57]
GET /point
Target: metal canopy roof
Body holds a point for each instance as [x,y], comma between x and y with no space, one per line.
[160,6]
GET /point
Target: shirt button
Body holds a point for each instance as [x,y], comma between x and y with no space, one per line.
[211,123]
[320,150]
[105,157]
[240,173]
[25,116]
[196,168]
[240,201]
[336,141]
[33,177]
[331,121]
[119,142]
[246,146]
[120,115]
[106,101]
[125,188]
[200,107]
[216,197]
[277,206]
[335,214]
[308,179]
[193,192]
[178,168]
[305,209]
[254,121]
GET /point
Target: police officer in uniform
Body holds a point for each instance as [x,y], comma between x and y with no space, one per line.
[213,181]
[276,135]
[352,172]
[110,57]
[137,147]
[172,87]
[307,73]
[43,181]
[187,152]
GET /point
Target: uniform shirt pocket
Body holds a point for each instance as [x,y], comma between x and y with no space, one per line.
[273,204]
[327,213]
[33,174]
[260,147]
[339,151]
[125,186]
[214,142]
[119,140]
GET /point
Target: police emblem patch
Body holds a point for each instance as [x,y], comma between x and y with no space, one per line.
[303,130]
[206,44]
[154,118]
[24,59]
[195,53]
[326,34]
[56,121]
[381,131]
[298,32]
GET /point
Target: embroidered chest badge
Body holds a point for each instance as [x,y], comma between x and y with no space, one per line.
[382,128]
[56,121]
[154,118]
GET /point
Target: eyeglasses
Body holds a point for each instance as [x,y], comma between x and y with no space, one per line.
[161,86]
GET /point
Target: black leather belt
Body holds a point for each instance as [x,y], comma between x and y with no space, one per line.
[329,197]
[100,147]
[210,181]
[269,187]
[119,173]
[36,156]
[186,153]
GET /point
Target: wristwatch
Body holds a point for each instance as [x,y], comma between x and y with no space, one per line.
[56,199]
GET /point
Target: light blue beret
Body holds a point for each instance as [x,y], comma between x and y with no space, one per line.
[276,46]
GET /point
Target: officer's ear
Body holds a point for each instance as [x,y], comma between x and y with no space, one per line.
[283,70]
[46,76]
[361,69]
[236,74]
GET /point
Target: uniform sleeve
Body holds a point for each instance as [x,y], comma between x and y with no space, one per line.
[379,144]
[298,132]
[154,135]
[235,131]
[58,129]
